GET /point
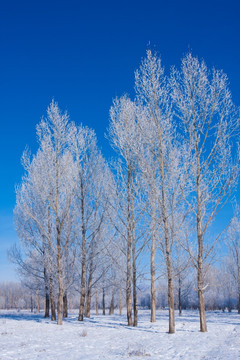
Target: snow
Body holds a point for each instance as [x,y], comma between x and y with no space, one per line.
[29,336]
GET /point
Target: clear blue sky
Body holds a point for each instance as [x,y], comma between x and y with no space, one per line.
[84,53]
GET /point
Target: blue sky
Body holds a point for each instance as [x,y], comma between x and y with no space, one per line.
[83,54]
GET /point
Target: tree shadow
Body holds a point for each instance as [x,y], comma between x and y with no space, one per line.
[21,316]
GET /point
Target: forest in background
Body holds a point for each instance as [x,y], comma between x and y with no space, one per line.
[136,230]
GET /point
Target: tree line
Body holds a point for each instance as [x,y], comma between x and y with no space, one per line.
[98,226]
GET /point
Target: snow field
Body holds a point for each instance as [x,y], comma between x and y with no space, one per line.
[29,336]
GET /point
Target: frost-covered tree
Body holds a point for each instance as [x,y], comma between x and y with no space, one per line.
[208,119]
[162,150]
[44,210]
[31,216]
[123,137]
[90,194]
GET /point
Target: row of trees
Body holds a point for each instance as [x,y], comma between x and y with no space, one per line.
[82,221]
[222,293]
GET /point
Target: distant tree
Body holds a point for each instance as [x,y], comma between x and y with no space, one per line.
[14,296]
[233,259]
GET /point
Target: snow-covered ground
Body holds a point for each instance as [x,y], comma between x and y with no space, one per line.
[29,336]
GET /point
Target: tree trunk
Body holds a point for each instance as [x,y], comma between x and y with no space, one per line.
[60,306]
[134,270]
[31,304]
[166,229]
[179,296]
[239,303]
[128,290]
[83,275]
[89,292]
[203,324]
[52,300]
[103,302]
[82,297]
[88,304]
[46,306]
[201,304]
[60,279]
[51,293]
[120,302]
[170,295]
[168,263]
[111,308]
[96,302]
[238,282]
[135,310]
[153,290]
[47,303]
[37,301]
[129,246]
[65,305]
